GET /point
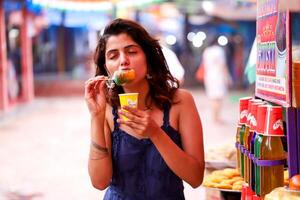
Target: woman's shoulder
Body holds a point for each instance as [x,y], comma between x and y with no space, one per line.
[183,99]
[183,96]
[183,105]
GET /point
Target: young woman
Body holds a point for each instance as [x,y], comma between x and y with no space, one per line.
[161,144]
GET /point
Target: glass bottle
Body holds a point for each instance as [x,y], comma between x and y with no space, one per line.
[251,141]
[243,121]
[243,112]
[272,176]
[246,143]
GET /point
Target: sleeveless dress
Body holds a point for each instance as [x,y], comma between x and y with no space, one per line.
[139,171]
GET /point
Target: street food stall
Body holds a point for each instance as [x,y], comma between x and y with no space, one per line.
[268,130]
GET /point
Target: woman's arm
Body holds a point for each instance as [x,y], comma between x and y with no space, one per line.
[100,161]
[188,163]
[99,164]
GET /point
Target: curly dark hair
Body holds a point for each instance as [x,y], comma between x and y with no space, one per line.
[162,85]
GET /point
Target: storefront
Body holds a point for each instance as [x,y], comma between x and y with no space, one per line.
[16,74]
[268,130]
[42,37]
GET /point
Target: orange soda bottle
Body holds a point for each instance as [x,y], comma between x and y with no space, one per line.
[272,152]
[260,128]
[243,113]
[246,143]
[250,141]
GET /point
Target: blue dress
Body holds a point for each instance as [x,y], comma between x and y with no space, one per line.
[139,171]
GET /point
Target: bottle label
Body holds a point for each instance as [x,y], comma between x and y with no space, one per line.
[269,163]
[274,123]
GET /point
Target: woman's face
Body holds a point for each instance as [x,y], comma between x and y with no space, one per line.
[124,53]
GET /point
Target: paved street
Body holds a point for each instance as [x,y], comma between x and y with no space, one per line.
[44,148]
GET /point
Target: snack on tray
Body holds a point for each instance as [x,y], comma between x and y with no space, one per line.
[233,180]
[238,185]
[224,179]
[209,183]
[121,77]
[283,193]
[217,178]
[230,173]
[224,186]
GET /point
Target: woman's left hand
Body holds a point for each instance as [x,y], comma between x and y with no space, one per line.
[139,121]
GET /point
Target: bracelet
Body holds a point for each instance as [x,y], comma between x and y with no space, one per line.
[98,147]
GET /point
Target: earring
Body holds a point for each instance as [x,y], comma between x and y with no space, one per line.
[148,76]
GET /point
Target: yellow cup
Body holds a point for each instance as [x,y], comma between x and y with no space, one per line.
[129,99]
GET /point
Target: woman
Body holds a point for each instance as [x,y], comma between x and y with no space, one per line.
[216,78]
[161,144]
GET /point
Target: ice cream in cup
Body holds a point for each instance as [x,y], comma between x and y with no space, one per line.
[128,99]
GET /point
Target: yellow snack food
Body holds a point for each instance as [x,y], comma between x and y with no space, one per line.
[231,181]
[209,183]
[224,186]
[229,172]
[237,187]
[217,178]
[237,178]
[282,193]
[224,179]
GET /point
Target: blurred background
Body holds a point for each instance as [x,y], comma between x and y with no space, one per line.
[46,55]
[63,33]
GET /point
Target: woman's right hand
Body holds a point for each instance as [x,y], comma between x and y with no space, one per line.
[94,95]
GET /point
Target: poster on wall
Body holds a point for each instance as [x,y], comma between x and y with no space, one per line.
[272,68]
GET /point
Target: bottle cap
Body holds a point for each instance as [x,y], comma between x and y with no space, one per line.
[261,118]
[274,122]
[243,109]
[253,120]
[252,101]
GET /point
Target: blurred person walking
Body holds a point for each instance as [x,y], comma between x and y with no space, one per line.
[216,77]
[161,144]
[174,64]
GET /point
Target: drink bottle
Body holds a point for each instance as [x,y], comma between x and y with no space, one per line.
[246,143]
[242,119]
[251,140]
[261,116]
[243,122]
[272,152]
